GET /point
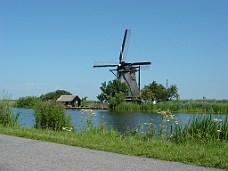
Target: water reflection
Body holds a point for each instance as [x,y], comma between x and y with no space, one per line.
[129,120]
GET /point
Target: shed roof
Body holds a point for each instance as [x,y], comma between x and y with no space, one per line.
[66,98]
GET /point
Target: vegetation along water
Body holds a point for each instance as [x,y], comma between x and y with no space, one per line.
[186,106]
[201,141]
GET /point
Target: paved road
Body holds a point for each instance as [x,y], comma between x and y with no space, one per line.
[20,154]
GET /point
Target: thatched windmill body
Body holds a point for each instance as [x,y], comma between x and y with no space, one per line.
[126,71]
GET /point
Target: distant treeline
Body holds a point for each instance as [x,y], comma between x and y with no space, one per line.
[32,101]
[186,106]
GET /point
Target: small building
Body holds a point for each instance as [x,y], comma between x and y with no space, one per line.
[69,100]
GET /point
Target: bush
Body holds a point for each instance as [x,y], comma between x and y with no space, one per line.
[27,102]
[49,115]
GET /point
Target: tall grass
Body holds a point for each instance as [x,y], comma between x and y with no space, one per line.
[199,142]
[186,106]
[7,116]
[202,128]
[144,107]
[160,143]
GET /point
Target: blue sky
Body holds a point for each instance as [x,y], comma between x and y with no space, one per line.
[48,45]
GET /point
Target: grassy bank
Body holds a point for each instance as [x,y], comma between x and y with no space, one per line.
[211,154]
[186,106]
[202,141]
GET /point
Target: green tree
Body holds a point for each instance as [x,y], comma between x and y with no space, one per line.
[161,94]
[83,101]
[158,92]
[54,95]
[147,94]
[173,92]
[114,93]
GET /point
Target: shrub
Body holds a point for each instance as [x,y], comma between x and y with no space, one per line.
[27,102]
[49,115]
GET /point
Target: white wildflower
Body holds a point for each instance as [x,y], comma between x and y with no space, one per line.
[216,120]
[163,112]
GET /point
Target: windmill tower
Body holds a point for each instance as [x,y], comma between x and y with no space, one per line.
[126,71]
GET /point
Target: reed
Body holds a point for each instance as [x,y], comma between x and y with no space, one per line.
[202,128]
[7,116]
[210,154]
[143,107]
[186,106]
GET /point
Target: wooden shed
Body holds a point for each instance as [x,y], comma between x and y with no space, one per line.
[69,100]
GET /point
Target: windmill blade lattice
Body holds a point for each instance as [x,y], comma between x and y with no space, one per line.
[125,44]
[126,71]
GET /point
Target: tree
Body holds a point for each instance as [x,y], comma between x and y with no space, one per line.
[83,100]
[114,93]
[54,95]
[147,94]
[158,92]
[173,92]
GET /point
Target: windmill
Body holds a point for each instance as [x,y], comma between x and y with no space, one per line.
[126,71]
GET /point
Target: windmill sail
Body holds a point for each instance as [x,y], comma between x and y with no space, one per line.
[126,71]
[124,45]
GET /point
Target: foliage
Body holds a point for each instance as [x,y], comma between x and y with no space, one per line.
[114,93]
[135,107]
[7,116]
[27,102]
[158,92]
[83,101]
[198,106]
[32,101]
[89,126]
[186,106]
[54,95]
[49,115]
[115,100]
[202,128]
[213,153]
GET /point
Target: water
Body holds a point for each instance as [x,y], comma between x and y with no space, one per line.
[26,117]
[118,121]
